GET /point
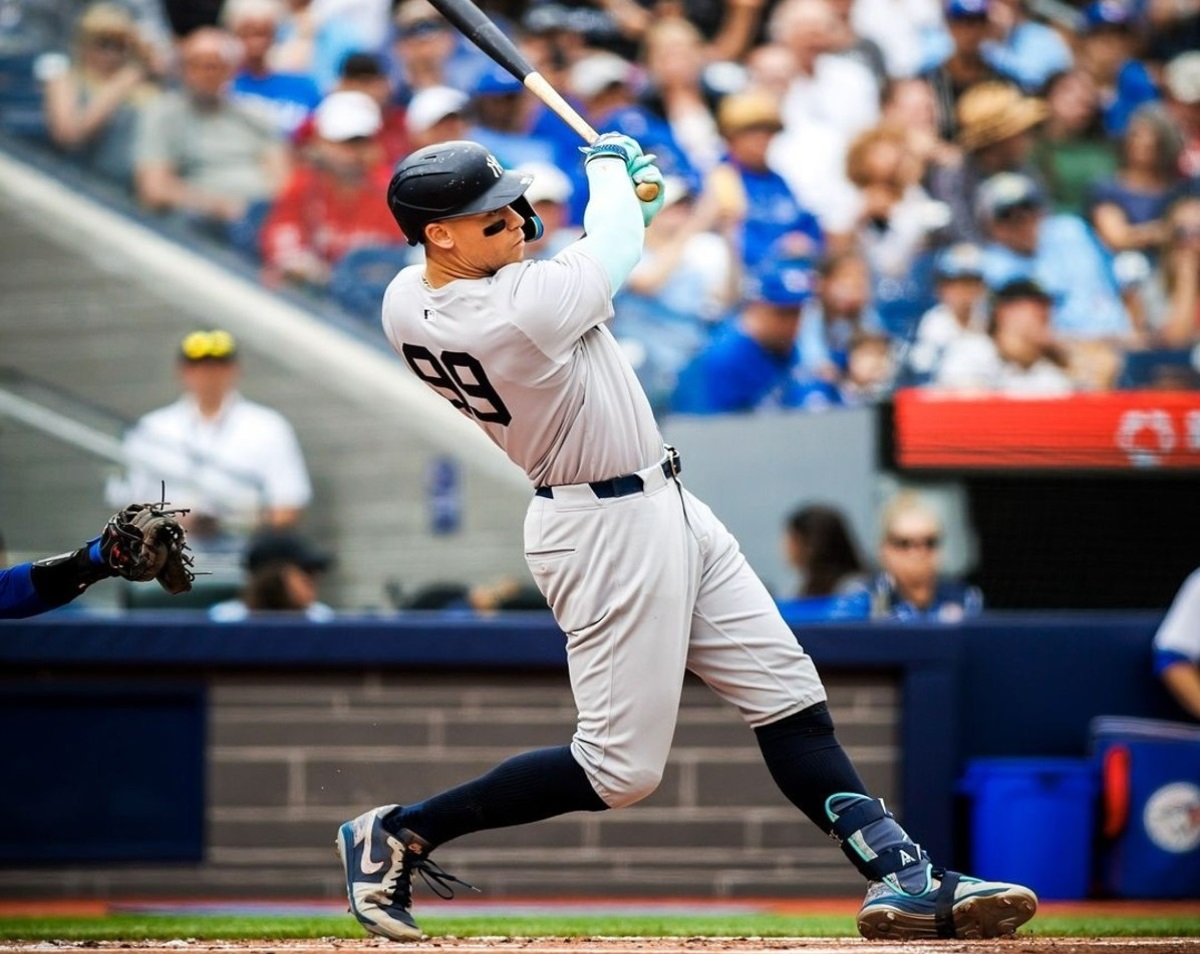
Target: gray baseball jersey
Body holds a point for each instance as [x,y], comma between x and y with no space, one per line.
[644,585]
[526,354]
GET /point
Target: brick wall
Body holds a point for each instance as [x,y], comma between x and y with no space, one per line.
[292,756]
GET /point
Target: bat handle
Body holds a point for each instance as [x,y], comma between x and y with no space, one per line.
[647,191]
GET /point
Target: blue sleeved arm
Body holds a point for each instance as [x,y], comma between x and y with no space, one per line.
[18,598]
[1165,658]
[612,220]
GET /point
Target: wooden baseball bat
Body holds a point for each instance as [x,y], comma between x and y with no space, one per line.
[476,27]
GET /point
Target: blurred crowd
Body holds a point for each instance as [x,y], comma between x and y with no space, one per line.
[979,195]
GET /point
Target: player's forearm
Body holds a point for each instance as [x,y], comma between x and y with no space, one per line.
[613,219]
[28,589]
[1183,681]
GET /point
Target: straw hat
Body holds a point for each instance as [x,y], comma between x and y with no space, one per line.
[991,112]
[749,109]
[106,19]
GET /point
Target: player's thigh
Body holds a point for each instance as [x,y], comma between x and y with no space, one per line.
[740,645]
[620,577]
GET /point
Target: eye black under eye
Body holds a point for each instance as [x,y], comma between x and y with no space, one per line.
[495,228]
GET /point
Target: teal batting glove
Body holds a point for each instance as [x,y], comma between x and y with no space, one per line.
[613,144]
[642,169]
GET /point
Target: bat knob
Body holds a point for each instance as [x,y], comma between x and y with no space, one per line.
[647,191]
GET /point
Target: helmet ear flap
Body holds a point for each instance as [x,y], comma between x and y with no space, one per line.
[532,226]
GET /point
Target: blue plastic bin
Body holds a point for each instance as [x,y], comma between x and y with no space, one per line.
[1152,807]
[1033,822]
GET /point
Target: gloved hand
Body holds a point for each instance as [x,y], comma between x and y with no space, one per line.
[613,144]
[146,542]
[643,170]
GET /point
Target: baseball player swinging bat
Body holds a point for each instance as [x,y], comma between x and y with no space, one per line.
[476,27]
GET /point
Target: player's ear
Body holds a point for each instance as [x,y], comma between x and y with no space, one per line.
[437,234]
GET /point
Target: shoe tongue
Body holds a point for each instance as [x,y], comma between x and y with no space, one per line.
[413,842]
[915,878]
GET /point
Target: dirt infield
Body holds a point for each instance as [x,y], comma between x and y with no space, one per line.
[698,945]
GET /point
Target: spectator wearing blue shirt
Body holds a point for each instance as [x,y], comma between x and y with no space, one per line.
[1129,210]
[314,40]
[910,585]
[767,219]
[285,100]
[841,308]
[995,131]
[426,51]
[1108,48]
[754,363]
[1177,647]
[604,83]
[498,106]
[1059,252]
[1027,52]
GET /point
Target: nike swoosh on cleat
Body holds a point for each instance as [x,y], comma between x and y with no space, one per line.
[368,866]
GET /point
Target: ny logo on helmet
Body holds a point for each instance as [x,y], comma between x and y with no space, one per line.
[494,164]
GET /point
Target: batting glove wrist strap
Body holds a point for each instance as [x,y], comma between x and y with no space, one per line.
[613,144]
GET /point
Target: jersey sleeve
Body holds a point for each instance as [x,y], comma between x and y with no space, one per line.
[1179,633]
[555,302]
[18,598]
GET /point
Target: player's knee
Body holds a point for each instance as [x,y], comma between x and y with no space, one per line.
[633,785]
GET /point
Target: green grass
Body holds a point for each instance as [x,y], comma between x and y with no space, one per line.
[129,927]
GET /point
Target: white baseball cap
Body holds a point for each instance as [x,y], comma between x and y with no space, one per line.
[433,104]
[1182,76]
[550,183]
[595,73]
[347,114]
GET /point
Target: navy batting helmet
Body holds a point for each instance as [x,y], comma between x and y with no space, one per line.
[452,179]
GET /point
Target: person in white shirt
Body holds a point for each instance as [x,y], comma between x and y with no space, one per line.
[827,88]
[961,309]
[1018,356]
[235,464]
[1177,646]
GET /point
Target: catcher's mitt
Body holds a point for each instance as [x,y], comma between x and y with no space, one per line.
[145,542]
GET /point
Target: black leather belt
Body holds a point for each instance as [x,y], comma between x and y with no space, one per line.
[626,484]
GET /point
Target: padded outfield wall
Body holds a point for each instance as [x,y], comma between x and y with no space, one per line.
[176,757]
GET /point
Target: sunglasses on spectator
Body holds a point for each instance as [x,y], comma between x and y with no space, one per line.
[931,542]
[419,28]
[208,346]
[1011,212]
[113,42]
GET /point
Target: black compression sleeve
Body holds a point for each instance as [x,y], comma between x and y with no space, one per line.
[60,579]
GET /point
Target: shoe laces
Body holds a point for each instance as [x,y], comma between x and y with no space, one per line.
[438,880]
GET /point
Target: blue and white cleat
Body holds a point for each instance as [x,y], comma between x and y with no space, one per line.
[379,868]
[952,906]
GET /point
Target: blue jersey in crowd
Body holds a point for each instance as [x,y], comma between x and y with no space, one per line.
[952,601]
[1029,55]
[18,598]
[1074,269]
[285,99]
[654,136]
[737,374]
[772,212]
[1134,88]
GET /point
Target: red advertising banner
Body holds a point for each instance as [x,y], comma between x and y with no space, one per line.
[1116,431]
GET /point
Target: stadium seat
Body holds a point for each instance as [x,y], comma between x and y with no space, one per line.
[21,110]
[244,233]
[363,275]
[1161,369]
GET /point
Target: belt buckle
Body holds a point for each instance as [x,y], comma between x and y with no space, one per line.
[673,463]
